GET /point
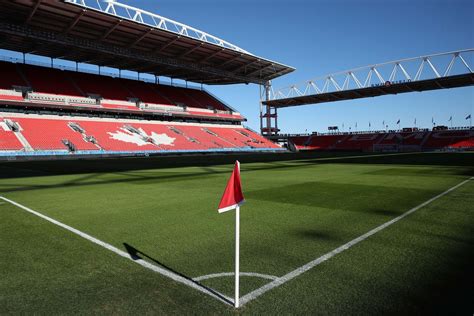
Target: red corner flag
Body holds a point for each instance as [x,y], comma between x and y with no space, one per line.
[233,196]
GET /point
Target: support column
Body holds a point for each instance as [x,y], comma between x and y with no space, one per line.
[268,114]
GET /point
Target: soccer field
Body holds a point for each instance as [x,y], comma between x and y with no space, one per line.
[295,212]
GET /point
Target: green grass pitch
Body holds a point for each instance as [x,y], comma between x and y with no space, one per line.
[295,211]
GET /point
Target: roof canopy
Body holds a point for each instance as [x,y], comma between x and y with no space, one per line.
[120,36]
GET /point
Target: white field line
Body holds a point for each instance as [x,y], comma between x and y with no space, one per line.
[254,294]
[293,274]
[227,274]
[143,263]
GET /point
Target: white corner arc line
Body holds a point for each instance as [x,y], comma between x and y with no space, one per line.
[297,272]
[143,263]
[228,274]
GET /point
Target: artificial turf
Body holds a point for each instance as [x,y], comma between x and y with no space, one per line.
[296,211]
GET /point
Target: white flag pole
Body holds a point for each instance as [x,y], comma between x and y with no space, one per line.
[237,255]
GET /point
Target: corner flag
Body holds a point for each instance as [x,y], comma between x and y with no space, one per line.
[232,199]
[233,196]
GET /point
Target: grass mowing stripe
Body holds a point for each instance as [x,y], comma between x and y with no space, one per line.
[293,274]
[174,276]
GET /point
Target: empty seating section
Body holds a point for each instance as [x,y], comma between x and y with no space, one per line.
[113,136]
[145,92]
[236,137]
[106,87]
[48,134]
[410,138]
[77,84]
[365,142]
[211,140]
[450,139]
[181,139]
[178,96]
[51,81]
[10,77]
[467,143]
[325,142]
[300,141]
[254,139]
[9,141]
[206,99]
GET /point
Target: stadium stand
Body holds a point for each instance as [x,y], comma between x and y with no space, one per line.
[8,139]
[51,81]
[75,134]
[34,85]
[146,92]
[323,142]
[51,134]
[358,142]
[450,139]
[69,83]
[382,141]
[49,86]
[52,109]
[54,90]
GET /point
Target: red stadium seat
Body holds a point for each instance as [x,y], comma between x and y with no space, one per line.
[8,139]
[51,81]
[50,133]
[407,140]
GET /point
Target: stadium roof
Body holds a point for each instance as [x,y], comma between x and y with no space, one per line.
[120,36]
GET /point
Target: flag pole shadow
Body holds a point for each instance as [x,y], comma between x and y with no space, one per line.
[135,255]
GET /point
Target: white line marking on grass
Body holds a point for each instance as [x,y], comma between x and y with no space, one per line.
[293,274]
[227,274]
[277,281]
[174,276]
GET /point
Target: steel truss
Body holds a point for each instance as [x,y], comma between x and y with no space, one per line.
[405,75]
[373,76]
[127,12]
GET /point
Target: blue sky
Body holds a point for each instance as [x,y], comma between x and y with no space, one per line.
[321,37]
[327,36]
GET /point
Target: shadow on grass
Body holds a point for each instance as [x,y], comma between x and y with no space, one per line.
[125,167]
[444,280]
[316,235]
[20,169]
[364,198]
[135,255]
